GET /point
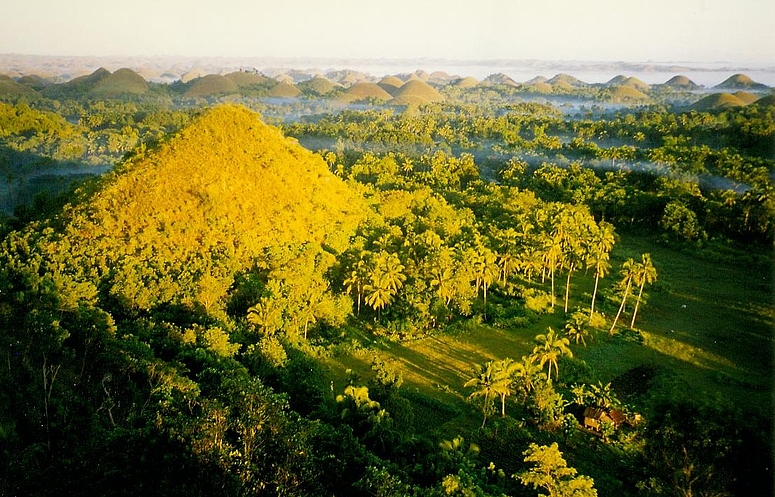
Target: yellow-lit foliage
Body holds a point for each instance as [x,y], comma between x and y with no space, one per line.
[175,224]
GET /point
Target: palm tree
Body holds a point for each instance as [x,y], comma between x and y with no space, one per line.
[357,281]
[628,272]
[487,384]
[646,273]
[526,372]
[505,370]
[551,347]
[387,278]
[576,329]
[598,256]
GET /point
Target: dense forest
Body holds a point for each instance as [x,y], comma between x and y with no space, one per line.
[235,286]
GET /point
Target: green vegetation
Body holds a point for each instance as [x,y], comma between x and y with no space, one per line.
[455,292]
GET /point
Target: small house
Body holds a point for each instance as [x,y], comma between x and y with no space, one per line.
[594,417]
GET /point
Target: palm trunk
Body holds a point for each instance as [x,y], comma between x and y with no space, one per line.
[503,405]
[484,408]
[553,298]
[637,303]
[567,288]
[621,307]
[594,294]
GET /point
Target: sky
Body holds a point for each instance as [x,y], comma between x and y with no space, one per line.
[739,31]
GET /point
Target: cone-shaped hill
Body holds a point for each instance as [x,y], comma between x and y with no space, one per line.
[284,89]
[212,84]
[318,85]
[122,82]
[390,84]
[567,79]
[740,82]
[681,83]
[717,101]
[363,92]
[247,79]
[78,86]
[416,92]
[177,223]
[467,82]
[9,87]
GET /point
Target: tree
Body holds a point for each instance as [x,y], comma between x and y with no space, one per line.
[551,347]
[505,370]
[387,277]
[487,384]
[357,281]
[628,272]
[552,474]
[598,255]
[645,273]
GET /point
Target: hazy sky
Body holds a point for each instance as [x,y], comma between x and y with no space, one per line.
[741,31]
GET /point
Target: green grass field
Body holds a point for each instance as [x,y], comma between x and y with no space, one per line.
[707,329]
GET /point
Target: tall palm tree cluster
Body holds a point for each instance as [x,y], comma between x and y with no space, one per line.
[500,379]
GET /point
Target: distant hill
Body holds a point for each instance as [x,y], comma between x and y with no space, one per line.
[616,80]
[246,79]
[122,82]
[175,224]
[541,87]
[11,88]
[717,101]
[637,84]
[624,95]
[564,79]
[500,79]
[210,85]
[33,81]
[284,90]
[416,92]
[681,83]
[318,85]
[390,84]
[362,92]
[467,82]
[740,82]
[745,97]
[77,87]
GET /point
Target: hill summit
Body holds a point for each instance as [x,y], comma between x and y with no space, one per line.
[176,224]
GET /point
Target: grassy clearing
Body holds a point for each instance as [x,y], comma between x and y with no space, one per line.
[707,328]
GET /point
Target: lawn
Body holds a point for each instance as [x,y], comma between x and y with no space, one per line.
[706,327]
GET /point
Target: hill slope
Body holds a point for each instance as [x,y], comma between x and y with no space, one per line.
[176,224]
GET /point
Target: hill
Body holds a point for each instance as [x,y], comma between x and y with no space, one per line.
[467,82]
[390,84]
[122,82]
[740,82]
[77,87]
[637,84]
[33,81]
[624,94]
[567,79]
[176,224]
[500,79]
[11,88]
[745,97]
[717,101]
[681,83]
[361,92]
[246,79]
[284,90]
[416,91]
[210,85]
[319,85]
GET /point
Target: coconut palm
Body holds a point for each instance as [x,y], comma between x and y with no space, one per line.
[505,370]
[645,273]
[551,347]
[598,255]
[487,385]
[629,268]
[576,328]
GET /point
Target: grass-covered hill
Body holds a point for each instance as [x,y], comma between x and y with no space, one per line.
[717,101]
[122,82]
[740,82]
[13,89]
[390,84]
[680,82]
[363,92]
[318,85]
[212,84]
[174,225]
[77,87]
[246,79]
[284,89]
[416,91]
